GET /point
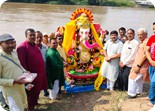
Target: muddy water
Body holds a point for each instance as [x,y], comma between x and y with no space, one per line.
[15,18]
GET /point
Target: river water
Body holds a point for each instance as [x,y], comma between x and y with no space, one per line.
[15,18]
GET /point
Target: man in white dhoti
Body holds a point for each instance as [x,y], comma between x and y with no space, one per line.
[112,52]
[139,71]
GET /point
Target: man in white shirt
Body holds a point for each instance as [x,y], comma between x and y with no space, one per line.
[127,58]
[112,52]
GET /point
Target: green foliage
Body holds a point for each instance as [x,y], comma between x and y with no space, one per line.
[80,2]
[29,1]
[117,3]
[64,2]
[93,2]
[129,3]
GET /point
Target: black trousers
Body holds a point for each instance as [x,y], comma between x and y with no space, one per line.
[122,80]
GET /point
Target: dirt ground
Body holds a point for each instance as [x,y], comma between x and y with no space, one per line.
[102,100]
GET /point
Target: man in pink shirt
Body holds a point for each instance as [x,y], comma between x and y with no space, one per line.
[139,71]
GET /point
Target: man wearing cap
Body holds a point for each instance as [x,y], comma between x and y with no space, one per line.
[10,75]
[31,59]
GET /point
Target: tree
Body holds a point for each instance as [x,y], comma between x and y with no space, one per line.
[93,2]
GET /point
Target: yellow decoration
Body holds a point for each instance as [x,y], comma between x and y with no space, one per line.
[83,21]
[99,80]
[85,56]
[94,33]
[61,30]
[71,63]
[69,34]
[71,28]
[82,10]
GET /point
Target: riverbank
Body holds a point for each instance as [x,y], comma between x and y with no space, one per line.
[102,100]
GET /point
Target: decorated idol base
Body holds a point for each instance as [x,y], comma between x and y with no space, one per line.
[83,78]
[82,81]
[82,88]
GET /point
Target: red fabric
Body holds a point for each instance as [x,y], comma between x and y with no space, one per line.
[151,43]
[31,59]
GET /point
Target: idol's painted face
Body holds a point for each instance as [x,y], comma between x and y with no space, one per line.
[84,33]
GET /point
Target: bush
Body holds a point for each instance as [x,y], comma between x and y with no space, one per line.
[117,3]
[129,3]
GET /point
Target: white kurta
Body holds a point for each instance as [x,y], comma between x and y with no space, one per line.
[110,69]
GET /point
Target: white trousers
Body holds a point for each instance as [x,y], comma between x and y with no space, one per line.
[1,109]
[12,104]
[53,93]
[110,84]
[135,86]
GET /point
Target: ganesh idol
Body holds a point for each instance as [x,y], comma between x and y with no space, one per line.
[83,47]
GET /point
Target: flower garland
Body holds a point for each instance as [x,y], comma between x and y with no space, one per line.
[80,65]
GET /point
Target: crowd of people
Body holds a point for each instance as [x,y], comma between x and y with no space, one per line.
[127,65]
